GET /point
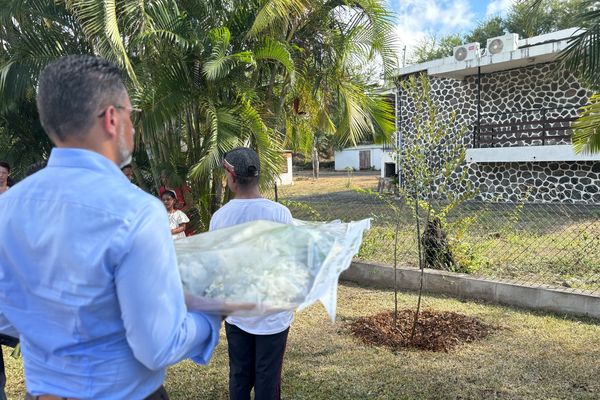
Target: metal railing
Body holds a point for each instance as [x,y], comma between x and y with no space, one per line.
[534,127]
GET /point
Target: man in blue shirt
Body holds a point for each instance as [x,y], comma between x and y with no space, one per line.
[88,277]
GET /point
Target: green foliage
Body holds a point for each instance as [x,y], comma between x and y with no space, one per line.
[467,254]
[434,177]
[534,17]
[211,76]
[433,48]
[484,30]
[302,210]
[586,135]
[583,57]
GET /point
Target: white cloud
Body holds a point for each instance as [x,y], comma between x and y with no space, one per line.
[500,7]
[419,19]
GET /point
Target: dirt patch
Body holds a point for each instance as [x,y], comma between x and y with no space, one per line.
[436,330]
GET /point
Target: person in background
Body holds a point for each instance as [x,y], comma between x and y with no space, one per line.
[5,340]
[4,176]
[184,195]
[128,171]
[92,287]
[177,218]
[256,345]
[35,167]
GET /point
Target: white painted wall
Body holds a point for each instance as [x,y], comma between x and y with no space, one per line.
[346,159]
[528,153]
[386,157]
[286,178]
[376,158]
[349,157]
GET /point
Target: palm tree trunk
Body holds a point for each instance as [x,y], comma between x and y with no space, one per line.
[315,160]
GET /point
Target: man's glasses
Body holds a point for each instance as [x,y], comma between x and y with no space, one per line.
[134,113]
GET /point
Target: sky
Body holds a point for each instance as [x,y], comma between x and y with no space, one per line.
[419,19]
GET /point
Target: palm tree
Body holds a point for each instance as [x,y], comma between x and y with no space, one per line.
[211,75]
[583,56]
[332,41]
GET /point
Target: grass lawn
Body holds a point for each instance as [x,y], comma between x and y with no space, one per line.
[534,356]
[329,181]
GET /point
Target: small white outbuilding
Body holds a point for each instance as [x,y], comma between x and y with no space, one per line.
[286,177]
[362,157]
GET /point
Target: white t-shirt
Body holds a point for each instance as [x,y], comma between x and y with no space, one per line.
[177,218]
[244,210]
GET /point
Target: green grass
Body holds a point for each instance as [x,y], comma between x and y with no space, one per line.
[534,356]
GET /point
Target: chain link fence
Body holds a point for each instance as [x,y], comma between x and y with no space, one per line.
[552,245]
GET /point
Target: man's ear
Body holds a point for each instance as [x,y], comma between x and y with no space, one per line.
[110,120]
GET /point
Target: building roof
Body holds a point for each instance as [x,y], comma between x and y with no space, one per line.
[362,147]
[524,52]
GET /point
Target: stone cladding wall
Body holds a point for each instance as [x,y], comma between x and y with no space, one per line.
[516,96]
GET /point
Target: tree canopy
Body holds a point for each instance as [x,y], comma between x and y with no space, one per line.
[209,76]
[527,18]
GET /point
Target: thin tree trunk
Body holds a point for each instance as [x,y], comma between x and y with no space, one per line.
[396,268]
[421,267]
[315,160]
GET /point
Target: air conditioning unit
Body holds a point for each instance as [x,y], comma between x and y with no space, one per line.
[466,52]
[502,44]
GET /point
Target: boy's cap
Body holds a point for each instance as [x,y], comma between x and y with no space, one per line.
[244,160]
[171,192]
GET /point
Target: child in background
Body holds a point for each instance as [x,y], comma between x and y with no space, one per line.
[177,218]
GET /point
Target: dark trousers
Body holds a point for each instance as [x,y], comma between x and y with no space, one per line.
[2,376]
[255,361]
[6,341]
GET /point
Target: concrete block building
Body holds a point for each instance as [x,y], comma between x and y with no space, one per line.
[517,102]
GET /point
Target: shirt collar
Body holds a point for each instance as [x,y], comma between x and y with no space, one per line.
[81,158]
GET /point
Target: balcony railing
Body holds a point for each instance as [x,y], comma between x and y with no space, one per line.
[537,127]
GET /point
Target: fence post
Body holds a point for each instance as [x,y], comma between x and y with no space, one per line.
[276,194]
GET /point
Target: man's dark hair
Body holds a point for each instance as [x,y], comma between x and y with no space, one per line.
[5,165]
[73,90]
[247,181]
[126,166]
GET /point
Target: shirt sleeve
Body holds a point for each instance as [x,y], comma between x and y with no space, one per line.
[287,216]
[159,329]
[182,218]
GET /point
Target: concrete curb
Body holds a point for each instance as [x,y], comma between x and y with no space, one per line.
[465,286]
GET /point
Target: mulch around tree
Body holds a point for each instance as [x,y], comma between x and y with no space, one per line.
[436,330]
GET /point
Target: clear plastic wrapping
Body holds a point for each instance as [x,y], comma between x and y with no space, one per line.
[263,266]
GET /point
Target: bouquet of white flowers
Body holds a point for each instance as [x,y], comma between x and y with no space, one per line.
[263,266]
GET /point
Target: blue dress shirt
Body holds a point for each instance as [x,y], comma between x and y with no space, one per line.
[88,281]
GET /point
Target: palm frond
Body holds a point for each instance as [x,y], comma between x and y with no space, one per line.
[271,49]
[274,12]
[583,52]
[220,63]
[586,130]
[99,21]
